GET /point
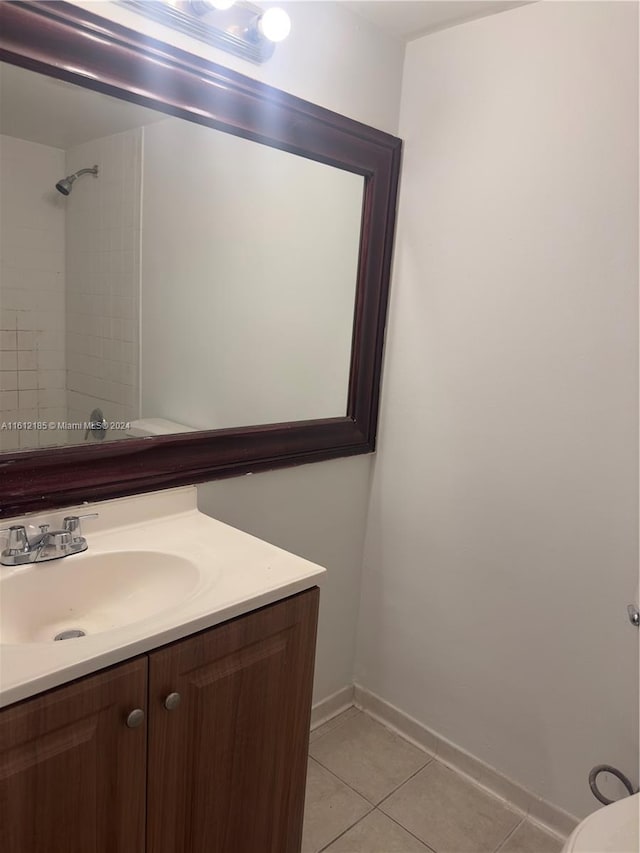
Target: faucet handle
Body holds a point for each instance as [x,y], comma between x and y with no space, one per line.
[72,525]
[18,543]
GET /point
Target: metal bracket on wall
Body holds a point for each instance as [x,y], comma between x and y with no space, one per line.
[634,615]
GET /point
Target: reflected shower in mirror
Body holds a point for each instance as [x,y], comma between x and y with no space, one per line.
[65,185]
[178,278]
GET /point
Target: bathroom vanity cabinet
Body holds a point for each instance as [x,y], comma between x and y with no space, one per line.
[196,746]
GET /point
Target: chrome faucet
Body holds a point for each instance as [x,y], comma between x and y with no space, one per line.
[47,545]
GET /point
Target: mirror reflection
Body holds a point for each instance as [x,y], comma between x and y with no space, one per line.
[159,276]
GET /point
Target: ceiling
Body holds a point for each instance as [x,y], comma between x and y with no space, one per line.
[409,19]
[41,109]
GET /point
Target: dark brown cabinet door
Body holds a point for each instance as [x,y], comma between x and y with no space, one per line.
[227,766]
[72,774]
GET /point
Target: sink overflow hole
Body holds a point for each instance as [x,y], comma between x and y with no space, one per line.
[70,635]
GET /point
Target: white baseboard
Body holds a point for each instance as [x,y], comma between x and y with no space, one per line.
[551,817]
[331,706]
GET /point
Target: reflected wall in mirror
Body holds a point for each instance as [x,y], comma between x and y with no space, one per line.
[198,281]
[246,304]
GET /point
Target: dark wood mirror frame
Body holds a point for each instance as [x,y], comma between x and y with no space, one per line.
[67,42]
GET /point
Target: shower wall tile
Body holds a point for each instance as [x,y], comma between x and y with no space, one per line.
[8,401]
[8,340]
[8,381]
[27,379]
[9,361]
[103,281]
[27,360]
[26,400]
[32,287]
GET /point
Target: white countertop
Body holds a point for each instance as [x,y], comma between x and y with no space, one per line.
[237,573]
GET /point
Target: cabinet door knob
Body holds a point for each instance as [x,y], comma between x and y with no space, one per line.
[172,701]
[135,718]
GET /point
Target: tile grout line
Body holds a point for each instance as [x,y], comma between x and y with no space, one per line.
[334,728]
[344,832]
[375,809]
[343,710]
[374,806]
[559,825]
[359,793]
[408,779]
[430,758]
[509,834]
[428,846]
[518,810]
[346,784]
[450,765]
[353,790]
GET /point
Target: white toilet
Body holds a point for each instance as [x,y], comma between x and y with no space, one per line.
[612,829]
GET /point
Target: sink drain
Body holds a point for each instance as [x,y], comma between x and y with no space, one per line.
[70,635]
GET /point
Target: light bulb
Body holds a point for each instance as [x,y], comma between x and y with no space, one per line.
[221,5]
[274,24]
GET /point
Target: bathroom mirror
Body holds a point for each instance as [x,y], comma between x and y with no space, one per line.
[194,266]
[163,273]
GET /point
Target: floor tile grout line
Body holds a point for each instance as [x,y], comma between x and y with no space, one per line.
[464,774]
[433,756]
[346,784]
[333,840]
[412,834]
[396,732]
[408,779]
[471,780]
[380,722]
[430,758]
[359,793]
[477,783]
[490,792]
[374,806]
[509,834]
[337,724]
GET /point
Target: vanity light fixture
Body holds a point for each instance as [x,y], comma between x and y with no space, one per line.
[235,26]
[202,7]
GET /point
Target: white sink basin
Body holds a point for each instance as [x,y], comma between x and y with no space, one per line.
[91,593]
[157,570]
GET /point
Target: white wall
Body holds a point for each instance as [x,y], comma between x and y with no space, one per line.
[502,538]
[255,252]
[338,61]
[319,512]
[332,58]
[103,281]
[32,292]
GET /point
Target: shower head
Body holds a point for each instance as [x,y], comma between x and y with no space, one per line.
[66,184]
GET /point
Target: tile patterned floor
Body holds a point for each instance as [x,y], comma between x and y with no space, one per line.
[370,791]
